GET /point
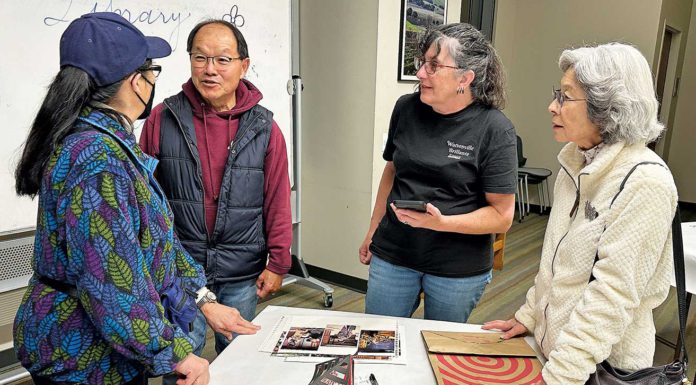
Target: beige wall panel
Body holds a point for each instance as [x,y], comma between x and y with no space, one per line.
[531,35]
[675,15]
[683,143]
[337,59]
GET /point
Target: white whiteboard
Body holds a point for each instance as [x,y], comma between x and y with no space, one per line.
[29,36]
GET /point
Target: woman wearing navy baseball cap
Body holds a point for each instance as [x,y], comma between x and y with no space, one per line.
[109,301]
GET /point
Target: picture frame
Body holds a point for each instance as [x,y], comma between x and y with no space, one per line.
[416,17]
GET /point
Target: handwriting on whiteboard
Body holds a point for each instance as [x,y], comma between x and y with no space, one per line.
[143,15]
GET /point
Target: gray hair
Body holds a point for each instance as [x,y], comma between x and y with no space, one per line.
[471,51]
[619,86]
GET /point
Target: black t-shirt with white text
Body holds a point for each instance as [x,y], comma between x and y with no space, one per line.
[450,161]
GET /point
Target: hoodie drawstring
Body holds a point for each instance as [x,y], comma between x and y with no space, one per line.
[207,149]
[216,195]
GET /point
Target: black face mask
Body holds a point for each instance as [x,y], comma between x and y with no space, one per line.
[148,105]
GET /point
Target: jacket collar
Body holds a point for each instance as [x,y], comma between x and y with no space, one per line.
[573,161]
[124,136]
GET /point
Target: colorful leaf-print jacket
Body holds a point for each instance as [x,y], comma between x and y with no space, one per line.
[104,227]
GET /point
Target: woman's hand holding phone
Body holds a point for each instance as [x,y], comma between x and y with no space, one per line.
[430,218]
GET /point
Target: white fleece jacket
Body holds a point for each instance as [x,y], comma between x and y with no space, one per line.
[578,323]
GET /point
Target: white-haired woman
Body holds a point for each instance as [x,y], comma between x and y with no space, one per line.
[607,254]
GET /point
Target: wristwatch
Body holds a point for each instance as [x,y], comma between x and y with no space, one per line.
[205,296]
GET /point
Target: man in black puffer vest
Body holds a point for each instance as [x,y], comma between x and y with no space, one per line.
[224,168]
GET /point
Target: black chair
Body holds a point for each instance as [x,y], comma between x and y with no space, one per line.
[532,175]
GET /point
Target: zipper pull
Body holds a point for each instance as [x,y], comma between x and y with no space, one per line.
[576,204]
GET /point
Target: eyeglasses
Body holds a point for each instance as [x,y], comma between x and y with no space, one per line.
[198,60]
[430,66]
[560,98]
[154,69]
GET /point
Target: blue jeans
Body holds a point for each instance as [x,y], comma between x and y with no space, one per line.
[394,290]
[239,295]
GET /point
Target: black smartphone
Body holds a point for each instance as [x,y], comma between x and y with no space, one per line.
[411,205]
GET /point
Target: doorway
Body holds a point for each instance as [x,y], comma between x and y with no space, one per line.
[667,87]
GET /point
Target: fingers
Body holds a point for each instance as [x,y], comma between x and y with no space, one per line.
[245,327]
[497,325]
[185,379]
[246,323]
[432,210]
[204,379]
[364,254]
[362,251]
[240,326]
[510,328]
[246,330]
[262,292]
[514,331]
[194,369]
[262,287]
[366,258]
[405,216]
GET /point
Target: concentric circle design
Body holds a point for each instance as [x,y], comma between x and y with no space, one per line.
[478,370]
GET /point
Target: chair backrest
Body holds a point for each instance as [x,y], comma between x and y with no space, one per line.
[521,160]
[498,251]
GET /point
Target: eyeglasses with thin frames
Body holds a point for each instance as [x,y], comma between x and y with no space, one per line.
[560,98]
[154,69]
[198,60]
[430,66]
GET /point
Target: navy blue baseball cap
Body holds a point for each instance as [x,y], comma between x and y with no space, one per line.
[108,47]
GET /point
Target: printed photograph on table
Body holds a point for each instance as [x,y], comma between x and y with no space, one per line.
[340,335]
[417,16]
[301,338]
[377,341]
[293,339]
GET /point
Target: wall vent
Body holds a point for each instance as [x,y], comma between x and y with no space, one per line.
[15,262]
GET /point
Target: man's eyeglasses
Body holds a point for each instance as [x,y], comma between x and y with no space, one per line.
[430,66]
[154,69]
[560,98]
[198,60]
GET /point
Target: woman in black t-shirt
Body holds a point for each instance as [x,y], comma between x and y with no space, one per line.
[450,146]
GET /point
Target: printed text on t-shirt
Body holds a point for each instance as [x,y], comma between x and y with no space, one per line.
[457,151]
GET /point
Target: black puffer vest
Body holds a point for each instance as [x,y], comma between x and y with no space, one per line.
[237,249]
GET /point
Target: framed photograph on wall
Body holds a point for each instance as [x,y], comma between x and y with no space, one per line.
[416,17]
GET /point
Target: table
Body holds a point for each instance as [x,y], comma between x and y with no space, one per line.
[689,239]
[242,363]
[689,236]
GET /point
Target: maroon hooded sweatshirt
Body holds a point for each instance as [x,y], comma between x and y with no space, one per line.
[214,132]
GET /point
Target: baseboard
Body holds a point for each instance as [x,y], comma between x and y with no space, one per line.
[536,209]
[339,279]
